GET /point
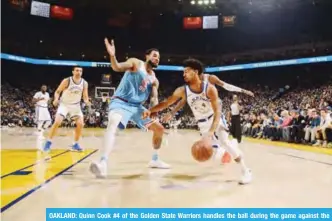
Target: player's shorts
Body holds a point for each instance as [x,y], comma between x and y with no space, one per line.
[42,114]
[204,125]
[73,110]
[130,112]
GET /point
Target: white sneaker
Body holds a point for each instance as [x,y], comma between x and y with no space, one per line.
[99,169]
[324,144]
[158,164]
[246,177]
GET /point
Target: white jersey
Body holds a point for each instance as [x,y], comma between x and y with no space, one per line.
[73,93]
[199,103]
[44,101]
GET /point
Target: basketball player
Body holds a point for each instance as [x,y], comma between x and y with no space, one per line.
[138,83]
[72,89]
[203,100]
[214,80]
[43,117]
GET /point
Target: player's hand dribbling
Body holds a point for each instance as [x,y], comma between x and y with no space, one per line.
[146,114]
[110,47]
[55,103]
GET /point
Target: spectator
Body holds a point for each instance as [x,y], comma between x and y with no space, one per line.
[297,126]
[311,128]
[321,130]
[286,125]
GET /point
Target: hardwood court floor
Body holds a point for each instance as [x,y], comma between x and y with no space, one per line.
[32,181]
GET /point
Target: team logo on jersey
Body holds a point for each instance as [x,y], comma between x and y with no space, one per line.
[201,104]
[145,83]
[75,90]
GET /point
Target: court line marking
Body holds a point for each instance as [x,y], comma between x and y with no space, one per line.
[303,158]
[37,162]
[312,149]
[44,183]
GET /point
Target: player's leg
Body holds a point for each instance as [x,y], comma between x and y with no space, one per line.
[219,153]
[158,131]
[41,127]
[44,120]
[236,153]
[76,115]
[60,115]
[79,122]
[118,117]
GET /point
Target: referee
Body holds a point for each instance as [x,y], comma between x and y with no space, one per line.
[235,119]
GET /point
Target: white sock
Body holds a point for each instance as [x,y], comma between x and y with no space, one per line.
[155,154]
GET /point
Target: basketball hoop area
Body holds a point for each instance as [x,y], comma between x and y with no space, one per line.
[104,93]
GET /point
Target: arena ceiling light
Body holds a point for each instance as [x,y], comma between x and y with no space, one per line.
[201,2]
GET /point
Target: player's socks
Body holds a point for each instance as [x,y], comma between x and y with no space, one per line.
[155,155]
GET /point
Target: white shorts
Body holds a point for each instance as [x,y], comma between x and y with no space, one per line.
[205,126]
[42,114]
[73,110]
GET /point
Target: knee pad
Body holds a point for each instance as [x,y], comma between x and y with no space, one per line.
[113,121]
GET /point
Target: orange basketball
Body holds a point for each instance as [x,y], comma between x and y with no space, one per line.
[202,150]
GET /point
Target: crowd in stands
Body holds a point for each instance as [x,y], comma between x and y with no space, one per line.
[300,115]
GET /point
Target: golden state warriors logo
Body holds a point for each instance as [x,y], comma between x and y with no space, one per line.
[200,105]
[75,90]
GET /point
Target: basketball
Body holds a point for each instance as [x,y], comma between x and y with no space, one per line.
[202,150]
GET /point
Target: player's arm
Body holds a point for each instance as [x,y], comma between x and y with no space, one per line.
[123,66]
[118,66]
[212,93]
[179,93]
[216,81]
[154,94]
[178,106]
[36,98]
[86,93]
[63,85]
[167,117]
